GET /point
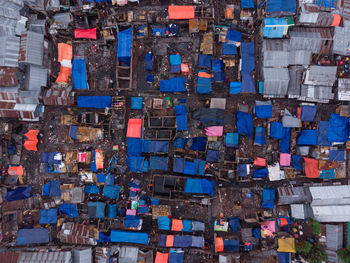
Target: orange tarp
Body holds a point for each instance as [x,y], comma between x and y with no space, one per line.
[311,168]
[99,159]
[134,128]
[31,143]
[336,20]
[177,225]
[161,257]
[219,244]
[15,170]
[181,11]
[65,52]
[204,75]
[32,134]
[169,240]
[65,72]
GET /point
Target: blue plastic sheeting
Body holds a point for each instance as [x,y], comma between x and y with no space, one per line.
[229,49]
[231,245]
[187,225]
[327,3]
[204,61]
[149,78]
[46,190]
[337,155]
[175,68]
[48,216]
[18,193]
[247,4]
[199,186]
[260,135]
[322,134]
[211,117]
[69,210]
[218,72]
[338,129]
[234,223]
[233,36]
[97,102]
[33,236]
[179,165]
[231,140]
[124,46]
[136,103]
[296,162]
[49,157]
[111,191]
[103,238]
[307,137]
[149,61]
[260,173]
[195,167]
[54,188]
[283,257]
[244,123]
[199,143]
[172,85]
[112,211]
[143,209]
[248,65]
[101,178]
[158,163]
[73,129]
[158,31]
[308,113]
[183,241]
[79,74]
[242,170]
[256,232]
[91,189]
[129,237]
[263,111]
[176,256]
[137,164]
[235,87]
[274,27]
[203,85]
[163,223]
[285,141]
[180,143]
[212,156]
[268,197]
[131,221]
[175,59]
[181,117]
[96,209]
[134,146]
[327,174]
[149,146]
[276,130]
[280,6]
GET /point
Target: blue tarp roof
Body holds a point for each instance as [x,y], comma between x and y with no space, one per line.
[248,65]
[322,134]
[212,156]
[281,6]
[96,209]
[337,155]
[276,130]
[338,129]
[131,221]
[231,245]
[175,59]
[327,3]
[296,162]
[263,111]
[204,61]
[308,112]
[172,85]
[54,188]
[181,117]
[235,87]
[134,146]
[48,216]
[18,193]
[307,137]
[69,209]
[274,27]
[129,237]
[233,36]
[79,74]
[260,135]
[231,139]
[136,103]
[97,102]
[91,189]
[158,163]
[124,45]
[163,223]
[33,236]
[198,143]
[244,123]
[260,173]
[176,256]
[234,223]
[285,141]
[112,211]
[199,186]
[268,197]
[149,146]
[247,4]
[283,257]
[137,164]
[203,85]
[229,49]
[111,191]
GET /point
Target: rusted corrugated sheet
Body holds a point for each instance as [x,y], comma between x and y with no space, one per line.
[8,76]
[8,93]
[346,12]
[78,234]
[9,257]
[327,34]
[58,97]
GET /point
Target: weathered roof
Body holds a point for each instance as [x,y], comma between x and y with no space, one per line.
[275,81]
[275,44]
[31,48]
[36,77]
[343,89]
[293,195]
[341,40]
[299,57]
[316,93]
[310,41]
[276,58]
[9,51]
[78,234]
[321,75]
[295,79]
[52,257]
[8,76]
[330,195]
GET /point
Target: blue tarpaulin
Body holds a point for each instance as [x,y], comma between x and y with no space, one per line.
[307,137]
[91,189]
[218,72]
[103,238]
[69,210]
[132,221]
[18,193]
[234,223]
[183,241]
[327,3]
[242,170]
[54,188]
[273,6]
[204,61]
[73,129]
[259,136]
[33,236]
[149,146]
[244,123]
[285,141]
[231,245]
[276,130]
[79,74]
[124,46]
[274,27]
[235,87]
[256,232]
[176,256]
[248,65]
[322,132]
[137,164]
[247,4]
[233,36]
[163,223]
[175,59]
[296,162]
[308,112]
[136,103]
[268,198]
[48,216]
[338,129]
[181,117]
[96,209]
[149,61]
[260,173]
[337,155]
[263,111]
[180,143]
[159,31]
[229,49]
[283,257]
[134,146]
[112,211]
[111,191]
[231,139]
[97,102]
[158,163]
[199,143]
[129,237]
[179,165]
[212,156]
[203,85]
[199,186]
[172,85]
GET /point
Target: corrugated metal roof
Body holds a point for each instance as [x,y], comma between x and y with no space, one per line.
[28,97]
[301,211]
[82,255]
[78,234]
[310,41]
[332,213]
[321,75]
[334,237]
[8,93]
[308,18]
[275,44]
[36,77]
[8,76]
[44,257]
[31,48]
[276,81]
[346,10]
[9,51]
[329,195]
[276,58]
[299,57]
[9,257]
[320,94]
[293,195]
[341,43]
[295,79]
[343,89]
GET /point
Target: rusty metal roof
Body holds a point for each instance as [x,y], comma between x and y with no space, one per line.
[8,76]
[78,234]
[9,257]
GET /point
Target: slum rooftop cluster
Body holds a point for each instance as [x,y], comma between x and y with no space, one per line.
[174,131]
